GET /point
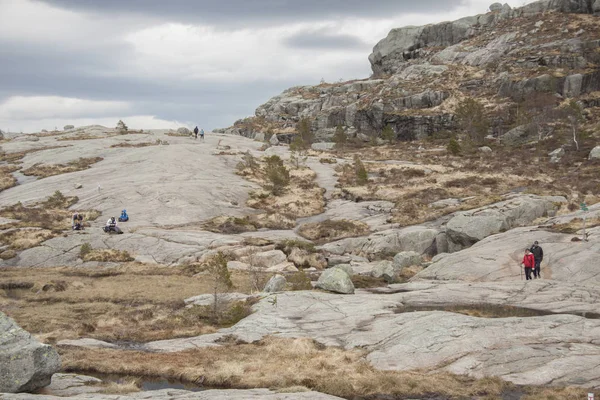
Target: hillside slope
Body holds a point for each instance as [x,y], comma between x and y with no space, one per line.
[533,58]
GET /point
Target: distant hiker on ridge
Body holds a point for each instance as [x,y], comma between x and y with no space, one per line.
[528,263]
[538,254]
[196,133]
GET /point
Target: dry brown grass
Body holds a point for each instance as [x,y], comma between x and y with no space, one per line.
[21,239]
[84,136]
[7,180]
[574,226]
[17,157]
[51,214]
[127,386]
[281,363]
[139,144]
[177,134]
[132,302]
[250,223]
[331,230]
[108,255]
[46,170]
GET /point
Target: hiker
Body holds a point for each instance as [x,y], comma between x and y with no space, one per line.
[111,226]
[528,263]
[77,222]
[124,217]
[538,254]
[196,132]
[202,134]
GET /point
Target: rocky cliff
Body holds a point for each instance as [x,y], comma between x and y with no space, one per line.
[502,59]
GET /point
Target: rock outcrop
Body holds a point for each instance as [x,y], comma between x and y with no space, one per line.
[420,74]
[499,257]
[25,364]
[275,284]
[170,394]
[519,350]
[336,280]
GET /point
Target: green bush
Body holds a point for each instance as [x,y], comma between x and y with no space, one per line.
[277,174]
[362,177]
[453,147]
[472,120]
[388,134]
[339,137]
[86,248]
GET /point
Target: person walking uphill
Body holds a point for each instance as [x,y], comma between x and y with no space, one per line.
[538,254]
[196,133]
[528,263]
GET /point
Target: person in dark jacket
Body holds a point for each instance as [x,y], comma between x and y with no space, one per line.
[196,133]
[538,254]
[528,263]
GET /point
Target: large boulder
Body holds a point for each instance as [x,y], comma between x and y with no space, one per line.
[519,135]
[498,258]
[266,259]
[386,270]
[406,259]
[387,243]
[25,364]
[596,7]
[323,146]
[465,230]
[336,280]
[595,153]
[184,131]
[69,127]
[305,259]
[496,7]
[275,284]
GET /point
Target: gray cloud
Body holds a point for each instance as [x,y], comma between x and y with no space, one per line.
[321,39]
[236,11]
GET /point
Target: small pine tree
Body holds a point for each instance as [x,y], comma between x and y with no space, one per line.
[362,177]
[388,134]
[339,137]
[472,119]
[277,174]
[453,147]
[121,127]
[220,279]
[304,131]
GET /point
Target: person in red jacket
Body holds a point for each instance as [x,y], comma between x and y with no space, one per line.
[528,263]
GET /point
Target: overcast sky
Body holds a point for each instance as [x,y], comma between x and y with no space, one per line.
[163,64]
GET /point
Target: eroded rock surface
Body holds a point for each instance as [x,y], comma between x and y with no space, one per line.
[499,257]
[538,350]
[25,363]
[175,394]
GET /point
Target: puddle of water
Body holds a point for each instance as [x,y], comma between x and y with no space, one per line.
[481,311]
[490,311]
[23,179]
[149,384]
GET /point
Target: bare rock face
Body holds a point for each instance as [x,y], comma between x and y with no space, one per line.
[498,258]
[169,394]
[336,280]
[415,238]
[25,364]
[184,131]
[275,284]
[595,153]
[596,7]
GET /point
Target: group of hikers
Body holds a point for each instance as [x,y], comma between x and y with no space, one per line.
[111,224]
[532,261]
[196,131]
